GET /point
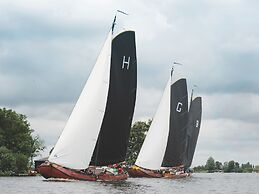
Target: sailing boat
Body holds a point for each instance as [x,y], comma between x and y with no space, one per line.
[97,131]
[195,112]
[164,144]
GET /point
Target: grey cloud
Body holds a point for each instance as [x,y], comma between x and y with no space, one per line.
[48,120]
[227,139]
[44,71]
[20,24]
[236,106]
[218,41]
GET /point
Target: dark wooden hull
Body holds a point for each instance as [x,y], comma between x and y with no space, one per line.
[107,177]
[55,171]
[176,176]
[136,171]
[140,172]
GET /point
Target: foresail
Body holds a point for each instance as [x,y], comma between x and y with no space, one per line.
[113,138]
[153,148]
[176,144]
[193,129]
[77,141]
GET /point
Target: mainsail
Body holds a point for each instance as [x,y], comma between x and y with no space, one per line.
[97,131]
[78,139]
[113,138]
[168,128]
[153,148]
[193,129]
[174,154]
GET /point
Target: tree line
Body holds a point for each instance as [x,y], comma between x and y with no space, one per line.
[18,145]
[137,135]
[227,167]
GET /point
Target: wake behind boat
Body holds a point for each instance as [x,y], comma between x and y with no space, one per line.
[94,141]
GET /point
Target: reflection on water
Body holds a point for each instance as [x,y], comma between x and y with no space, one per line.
[127,186]
[59,180]
[198,183]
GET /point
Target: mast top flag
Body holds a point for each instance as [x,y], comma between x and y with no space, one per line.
[172,70]
[115,17]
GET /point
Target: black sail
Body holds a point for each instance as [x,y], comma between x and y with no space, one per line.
[174,154]
[193,129]
[113,138]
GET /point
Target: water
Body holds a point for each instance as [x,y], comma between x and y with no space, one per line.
[198,183]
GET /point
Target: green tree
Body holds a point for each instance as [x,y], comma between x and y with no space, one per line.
[7,160]
[237,167]
[137,136]
[210,165]
[17,143]
[37,145]
[231,166]
[247,167]
[234,166]
[225,167]
[218,166]
[199,169]
[21,163]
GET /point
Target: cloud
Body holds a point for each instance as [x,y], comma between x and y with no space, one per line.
[226,139]
[235,106]
[217,42]
[47,120]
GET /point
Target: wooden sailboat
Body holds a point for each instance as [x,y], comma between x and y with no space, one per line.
[193,129]
[162,153]
[94,141]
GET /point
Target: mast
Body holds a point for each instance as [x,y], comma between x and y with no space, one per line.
[96,150]
[191,97]
[114,20]
[194,86]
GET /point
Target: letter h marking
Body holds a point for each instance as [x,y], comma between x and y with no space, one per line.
[124,63]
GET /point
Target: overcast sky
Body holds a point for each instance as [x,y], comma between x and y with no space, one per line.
[48,48]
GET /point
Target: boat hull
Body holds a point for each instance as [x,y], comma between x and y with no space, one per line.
[48,170]
[55,171]
[136,171]
[176,176]
[107,177]
[140,172]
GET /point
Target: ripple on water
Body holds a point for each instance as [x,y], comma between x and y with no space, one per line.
[198,183]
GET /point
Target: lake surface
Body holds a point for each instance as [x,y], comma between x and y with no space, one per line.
[199,183]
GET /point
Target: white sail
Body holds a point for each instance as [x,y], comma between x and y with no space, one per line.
[77,141]
[153,149]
